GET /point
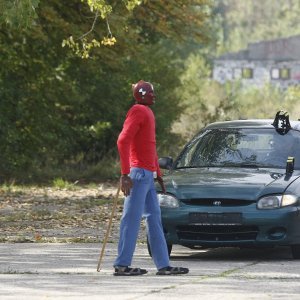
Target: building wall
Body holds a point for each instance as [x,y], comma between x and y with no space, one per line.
[262,72]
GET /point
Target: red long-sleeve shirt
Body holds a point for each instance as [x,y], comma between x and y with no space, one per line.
[136,142]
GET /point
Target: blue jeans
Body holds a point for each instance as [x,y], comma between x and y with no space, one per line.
[142,201]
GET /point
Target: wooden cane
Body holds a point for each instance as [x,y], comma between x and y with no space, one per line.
[108,228]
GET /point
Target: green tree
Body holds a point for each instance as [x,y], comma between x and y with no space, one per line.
[18,13]
[243,22]
[58,110]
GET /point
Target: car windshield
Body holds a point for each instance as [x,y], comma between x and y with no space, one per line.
[241,148]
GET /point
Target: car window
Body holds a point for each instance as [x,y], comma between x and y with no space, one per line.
[237,147]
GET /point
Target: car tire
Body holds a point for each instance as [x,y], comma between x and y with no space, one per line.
[168,245]
[296,251]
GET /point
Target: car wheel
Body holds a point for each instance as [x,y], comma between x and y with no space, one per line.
[168,245]
[296,251]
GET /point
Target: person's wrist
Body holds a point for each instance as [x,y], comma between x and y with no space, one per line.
[125,177]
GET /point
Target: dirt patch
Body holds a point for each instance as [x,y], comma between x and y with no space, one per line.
[80,214]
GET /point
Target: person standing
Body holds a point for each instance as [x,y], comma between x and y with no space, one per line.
[139,167]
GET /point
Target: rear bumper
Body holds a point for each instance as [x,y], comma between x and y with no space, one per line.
[257,227]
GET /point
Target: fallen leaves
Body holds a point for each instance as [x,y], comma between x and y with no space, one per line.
[54,215]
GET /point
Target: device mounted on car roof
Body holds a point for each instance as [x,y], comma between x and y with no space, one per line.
[282,122]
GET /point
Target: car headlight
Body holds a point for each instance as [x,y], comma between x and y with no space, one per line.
[276,201]
[166,200]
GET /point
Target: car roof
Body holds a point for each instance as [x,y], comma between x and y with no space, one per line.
[254,123]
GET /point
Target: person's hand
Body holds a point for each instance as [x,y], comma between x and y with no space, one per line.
[126,184]
[161,183]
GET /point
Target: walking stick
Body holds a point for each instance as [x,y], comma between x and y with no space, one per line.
[108,228]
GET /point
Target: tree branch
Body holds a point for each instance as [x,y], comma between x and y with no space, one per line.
[92,28]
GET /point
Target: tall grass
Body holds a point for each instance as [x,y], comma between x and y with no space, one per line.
[67,176]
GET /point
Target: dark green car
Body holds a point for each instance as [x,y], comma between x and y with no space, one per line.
[235,184]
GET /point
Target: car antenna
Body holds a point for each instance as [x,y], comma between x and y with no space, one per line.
[282,122]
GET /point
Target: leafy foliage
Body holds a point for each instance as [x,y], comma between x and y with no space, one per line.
[243,22]
[58,111]
[18,13]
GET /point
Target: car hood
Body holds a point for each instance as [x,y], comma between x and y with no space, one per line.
[230,183]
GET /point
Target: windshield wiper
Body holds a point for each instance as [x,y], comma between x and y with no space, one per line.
[242,165]
[197,167]
[250,165]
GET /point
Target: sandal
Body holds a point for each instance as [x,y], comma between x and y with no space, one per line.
[126,271]
[172,271]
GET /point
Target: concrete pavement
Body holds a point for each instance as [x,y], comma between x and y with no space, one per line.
[68,271]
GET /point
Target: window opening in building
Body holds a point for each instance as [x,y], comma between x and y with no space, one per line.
[282,73]
[247,73]
[285,73]
[275,74]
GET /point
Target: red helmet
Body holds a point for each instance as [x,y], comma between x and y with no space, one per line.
[143,92]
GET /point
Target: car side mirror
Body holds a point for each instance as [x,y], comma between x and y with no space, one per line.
[166,162]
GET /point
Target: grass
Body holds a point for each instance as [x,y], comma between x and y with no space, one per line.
[66,175]
[63,184]
[11,187]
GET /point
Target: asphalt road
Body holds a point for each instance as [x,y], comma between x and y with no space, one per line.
[68,271]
